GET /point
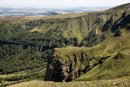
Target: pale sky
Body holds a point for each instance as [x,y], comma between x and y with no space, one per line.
[60,3]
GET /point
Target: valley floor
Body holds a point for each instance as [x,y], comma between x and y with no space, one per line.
[122,82]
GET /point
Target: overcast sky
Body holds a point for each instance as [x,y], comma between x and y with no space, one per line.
[60,3]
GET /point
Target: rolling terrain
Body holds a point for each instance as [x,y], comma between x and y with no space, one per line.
[85,48]
[46,11]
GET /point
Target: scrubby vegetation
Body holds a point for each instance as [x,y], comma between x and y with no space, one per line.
[104,61]
[26,44]
[94,46]
[107,41]
[115,66]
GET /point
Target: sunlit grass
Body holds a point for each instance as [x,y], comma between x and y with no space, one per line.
[121,82]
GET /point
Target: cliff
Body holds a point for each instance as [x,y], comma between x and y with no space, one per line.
[76,46]
[109,32]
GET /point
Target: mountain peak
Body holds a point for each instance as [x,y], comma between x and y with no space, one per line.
[121,7]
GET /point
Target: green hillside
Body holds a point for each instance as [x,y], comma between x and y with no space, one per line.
[106,55]
[93,45]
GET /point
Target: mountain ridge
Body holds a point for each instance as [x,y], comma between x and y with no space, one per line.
[92,41]
[69,65]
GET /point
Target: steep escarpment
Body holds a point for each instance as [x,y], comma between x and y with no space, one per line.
[26,44]
[98,62]
[102,23]
[67,64]
[110,29]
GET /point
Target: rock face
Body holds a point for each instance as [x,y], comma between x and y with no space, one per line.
[67,64]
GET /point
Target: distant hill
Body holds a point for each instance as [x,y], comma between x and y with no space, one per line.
[45,11]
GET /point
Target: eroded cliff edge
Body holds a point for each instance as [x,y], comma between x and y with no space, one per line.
[105,61]
[67,64]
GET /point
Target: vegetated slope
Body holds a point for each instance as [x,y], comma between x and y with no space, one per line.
[107,60]
[122,82]
[114,66]
[27,43]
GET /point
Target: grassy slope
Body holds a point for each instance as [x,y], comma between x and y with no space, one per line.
[74,26]
[117,49]
[117,65]
[114,47]
[18,63]
[121,82]
[114,67]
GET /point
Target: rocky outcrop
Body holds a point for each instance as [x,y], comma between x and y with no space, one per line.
[67,64]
